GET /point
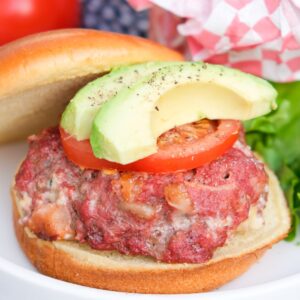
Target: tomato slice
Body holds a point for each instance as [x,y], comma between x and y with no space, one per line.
[183,148]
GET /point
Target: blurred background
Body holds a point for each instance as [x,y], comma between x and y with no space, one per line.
[19,18]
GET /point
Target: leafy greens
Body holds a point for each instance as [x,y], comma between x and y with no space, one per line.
[276,137]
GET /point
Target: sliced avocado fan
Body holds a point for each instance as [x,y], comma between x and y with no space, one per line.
[127,126]
[78,116]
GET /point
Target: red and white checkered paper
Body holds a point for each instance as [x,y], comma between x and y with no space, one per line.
[261,37]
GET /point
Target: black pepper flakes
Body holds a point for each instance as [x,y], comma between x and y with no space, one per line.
[156,108]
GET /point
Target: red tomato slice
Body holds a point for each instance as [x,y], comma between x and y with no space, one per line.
[182,148]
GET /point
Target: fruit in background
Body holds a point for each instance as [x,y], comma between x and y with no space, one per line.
[19,18]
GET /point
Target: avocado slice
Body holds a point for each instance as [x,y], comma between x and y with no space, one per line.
[127,126]
[79,114]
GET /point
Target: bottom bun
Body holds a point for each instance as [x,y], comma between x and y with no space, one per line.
[77,263]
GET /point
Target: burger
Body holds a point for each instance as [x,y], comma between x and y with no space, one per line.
[143,182]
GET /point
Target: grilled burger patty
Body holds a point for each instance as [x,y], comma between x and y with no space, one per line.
[172,217]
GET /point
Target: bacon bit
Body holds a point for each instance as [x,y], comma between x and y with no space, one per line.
[130,187]
[51,220]
[177,197]
[109,171]
[139,209]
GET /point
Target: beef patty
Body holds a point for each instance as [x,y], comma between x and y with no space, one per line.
[172,217]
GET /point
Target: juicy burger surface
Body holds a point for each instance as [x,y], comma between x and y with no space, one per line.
[173,217]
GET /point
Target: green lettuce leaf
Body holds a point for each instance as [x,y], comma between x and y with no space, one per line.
[276,137]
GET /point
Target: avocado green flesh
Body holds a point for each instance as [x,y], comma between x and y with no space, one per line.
[78,117]
[126,128]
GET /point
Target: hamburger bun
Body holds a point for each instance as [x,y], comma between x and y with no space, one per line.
[41,73]
[77,263]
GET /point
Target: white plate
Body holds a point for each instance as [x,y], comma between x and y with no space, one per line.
[276,276]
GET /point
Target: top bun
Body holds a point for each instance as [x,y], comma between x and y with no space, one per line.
[39,74]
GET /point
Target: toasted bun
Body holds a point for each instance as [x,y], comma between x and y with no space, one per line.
[110,270]
[39,74]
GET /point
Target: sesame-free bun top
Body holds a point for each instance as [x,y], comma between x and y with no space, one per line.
[40,73]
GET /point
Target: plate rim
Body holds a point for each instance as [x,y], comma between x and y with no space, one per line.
[36,278]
